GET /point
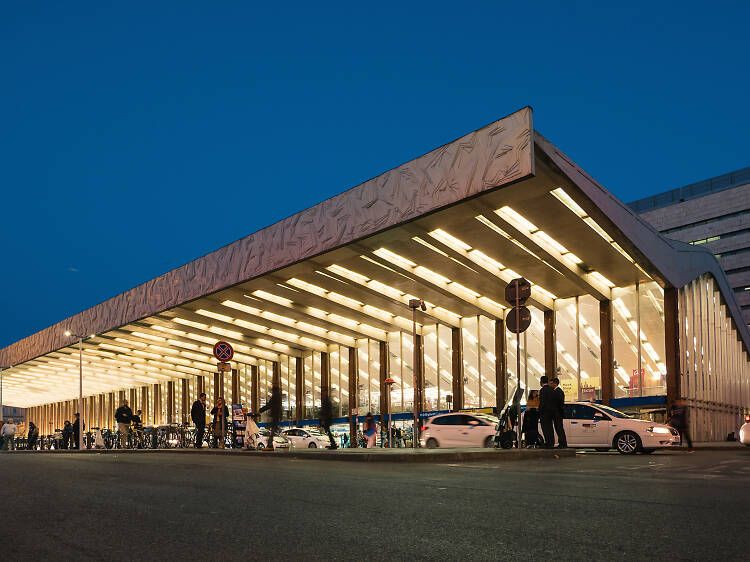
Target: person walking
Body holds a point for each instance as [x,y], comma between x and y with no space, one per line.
[220,412]
[77,430]
[8,435]
[547,406]
[33,436]
[369,429]
[679,420]
[123,416]
[326,419]
[557,418]
[273,406]
[198,415]
[531,420]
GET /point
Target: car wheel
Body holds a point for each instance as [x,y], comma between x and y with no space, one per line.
[627,443]
[602,449]
[260,446]
[432,443]
[647,451]
[312,446]
[488,442]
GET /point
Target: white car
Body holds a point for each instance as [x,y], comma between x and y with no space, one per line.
[261,438]
[745,432]
[307,438]
[459,429]
[589,425]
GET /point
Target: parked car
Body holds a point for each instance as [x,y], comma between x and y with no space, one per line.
[458,430]
[279,441]
[745,432]
[589,425]
[307,438]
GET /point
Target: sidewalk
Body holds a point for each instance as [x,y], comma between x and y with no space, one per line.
[356,455]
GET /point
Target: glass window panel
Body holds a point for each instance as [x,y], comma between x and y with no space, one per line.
[469,331]
[625,336]
[431,358]
[394,365]
[653,362]
[374,377]
[487,361]
[533,368]
[566,314]
[590,347]
[446,364]
[407,358]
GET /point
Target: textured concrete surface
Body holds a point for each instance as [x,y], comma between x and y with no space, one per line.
[181,507]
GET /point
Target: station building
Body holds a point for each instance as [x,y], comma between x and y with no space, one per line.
[319,303]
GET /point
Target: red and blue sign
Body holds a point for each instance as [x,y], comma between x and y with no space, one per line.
[223,351]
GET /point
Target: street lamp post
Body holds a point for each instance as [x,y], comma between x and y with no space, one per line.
[80,386]
[414,304]
[389,385]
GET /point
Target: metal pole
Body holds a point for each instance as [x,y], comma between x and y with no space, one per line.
[1,394]
[390,430]
[518,364]
[414,371]
[80,394]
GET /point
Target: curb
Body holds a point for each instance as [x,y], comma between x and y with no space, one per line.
[419,456]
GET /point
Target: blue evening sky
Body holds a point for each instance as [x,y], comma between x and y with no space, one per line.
[135,137]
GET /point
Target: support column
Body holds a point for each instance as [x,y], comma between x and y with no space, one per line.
[383,371]
[157,404]
[501,370]
[186,404]
[170,402]
[353,395]
[254,388]
[457,368]
[299,388]
[218,385]
[200,385]
[120,397]
[236,386]
[144,404]
[325,375]
[101,413]
[672,345]
[420,372]
[276,374]
[550,344]
[608,361]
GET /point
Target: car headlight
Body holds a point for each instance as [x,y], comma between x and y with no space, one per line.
[657,429]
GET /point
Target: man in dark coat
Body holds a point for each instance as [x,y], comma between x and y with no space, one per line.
[198,415]
[547,407]
[124,415]
[77,430]
[679,420]
[557,418]
[326,418]
[274,407]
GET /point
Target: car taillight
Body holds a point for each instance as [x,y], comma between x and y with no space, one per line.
[747,419]
[423,428]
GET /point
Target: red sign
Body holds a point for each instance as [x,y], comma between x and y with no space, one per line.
[223,351]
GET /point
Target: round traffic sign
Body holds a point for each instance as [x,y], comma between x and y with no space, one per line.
[518,291]
[223,351]
[518,319]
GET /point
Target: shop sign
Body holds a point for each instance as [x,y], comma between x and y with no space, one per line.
[588,393]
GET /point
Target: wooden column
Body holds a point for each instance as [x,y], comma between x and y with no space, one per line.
[144,404]
[100,415]
[299,389]
[276,374]
[550,346]
[236,386]
[457,369]
[325,375]
[218,385]
[133,399]
[186,403]
[353,395]
[200,385]
[501,375]
[120,397]
[157,404]
[607,354]
[383,372]
[170,401]
[254,388]
[672,345]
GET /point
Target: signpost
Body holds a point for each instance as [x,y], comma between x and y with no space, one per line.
[518,320]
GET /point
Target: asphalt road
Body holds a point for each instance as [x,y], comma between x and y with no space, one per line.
[185,507]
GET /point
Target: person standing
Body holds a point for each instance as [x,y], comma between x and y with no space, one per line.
[67,434]
[274,407]
[8,434]
[557,418]
[679,420]
[547,406]
[220,412]
[33,436]
[326,419]
[123,416]
[77,430]
[369,429]
[198,415]
[531,420]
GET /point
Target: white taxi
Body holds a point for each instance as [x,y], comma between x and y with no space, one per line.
[458,430]
[307,438]
[589,425]
[745,432]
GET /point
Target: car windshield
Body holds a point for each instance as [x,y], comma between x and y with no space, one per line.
[612,412]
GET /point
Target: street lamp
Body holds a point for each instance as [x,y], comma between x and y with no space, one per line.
[414,304]
[389,385]
[80,339]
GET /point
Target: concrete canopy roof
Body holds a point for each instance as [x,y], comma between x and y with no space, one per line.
[451,227]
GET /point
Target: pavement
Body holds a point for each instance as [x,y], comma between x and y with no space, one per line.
[164,506]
